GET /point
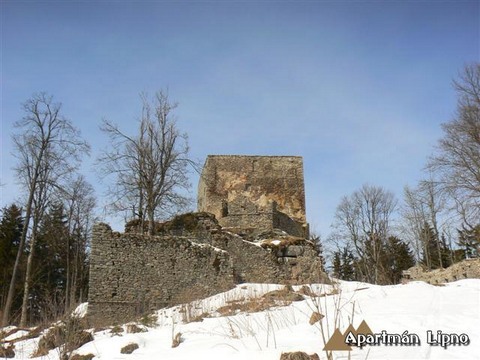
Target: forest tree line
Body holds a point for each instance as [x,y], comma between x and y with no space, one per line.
[438,221]
[44,238]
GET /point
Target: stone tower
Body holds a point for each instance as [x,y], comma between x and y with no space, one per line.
[261,192]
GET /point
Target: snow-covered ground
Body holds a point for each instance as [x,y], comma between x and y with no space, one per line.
[415,307]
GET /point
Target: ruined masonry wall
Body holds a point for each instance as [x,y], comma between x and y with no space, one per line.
[131,274]
[251,263]
[465,269]
[262,220]
[282,264]
[249,184]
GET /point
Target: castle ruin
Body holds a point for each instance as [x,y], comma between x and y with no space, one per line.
[251,227]
[261,192]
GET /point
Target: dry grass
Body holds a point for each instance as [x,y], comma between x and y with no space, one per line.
[5,334]
[7,351]
[333,292]
[281,242]
[177,339]
[298,356]
[67,336]
[32,333]
[117,330]
[134,329]
[82,357]
[307,291]
[271,299]
[199,318]
[149,320]
[49,341]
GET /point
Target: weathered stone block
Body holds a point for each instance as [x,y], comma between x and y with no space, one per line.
[294,251]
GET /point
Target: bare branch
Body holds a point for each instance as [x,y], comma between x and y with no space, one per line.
[150,169]
[48,149]
[457,160]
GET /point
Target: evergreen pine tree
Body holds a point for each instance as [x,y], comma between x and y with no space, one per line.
[318,244]
[469,239]
[446,252]
[337,265]
[49,280]
[10,233]
[398,257]
[435,252]
[344,264]
[348,269]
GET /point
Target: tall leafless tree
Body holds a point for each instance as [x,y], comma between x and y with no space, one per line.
[79,203]
[414,216]
[151,167]
[424,206]
[48,149]
[363,219]
[457,160]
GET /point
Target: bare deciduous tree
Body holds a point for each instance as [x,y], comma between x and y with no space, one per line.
[422,209]
[363,219]
[79,201]
[457,161]
[414,215]
[48,149]
[150,168]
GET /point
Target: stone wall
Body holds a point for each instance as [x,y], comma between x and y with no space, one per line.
[465,269]
[248,190]
[196,225]
[242,213]
[292,227]
[242,201]
[275,258]
[131,274]
[251,262]
[268,218]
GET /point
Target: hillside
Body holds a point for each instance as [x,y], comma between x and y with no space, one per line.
[244,323]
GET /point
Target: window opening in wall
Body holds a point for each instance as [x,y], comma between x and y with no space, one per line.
[224,208]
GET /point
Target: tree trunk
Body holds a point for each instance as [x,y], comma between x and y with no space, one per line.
[426,249]
[26,287]
[11,289]
[151,217]
[68,281]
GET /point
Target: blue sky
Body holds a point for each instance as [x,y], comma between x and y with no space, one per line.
[358,88]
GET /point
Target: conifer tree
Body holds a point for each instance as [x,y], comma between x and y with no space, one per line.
[337,265]
[436,253]
[348,268]
[469,239]
[315,238]
[47,294]
[10,232]
[398,257]
[344,264]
